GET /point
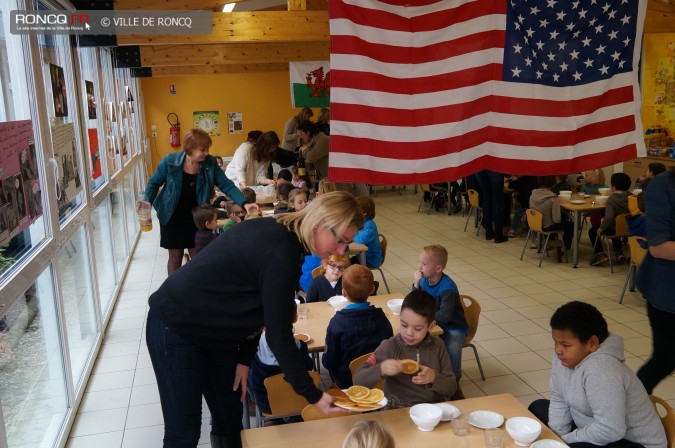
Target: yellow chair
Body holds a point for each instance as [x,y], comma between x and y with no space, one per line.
[317,271]
[474,201]
[535,222]
[434,194]
[383,247]
[284,402]
[667,420]
[637,254]
[356,363]
[621,226]
[311,413]
[472,314]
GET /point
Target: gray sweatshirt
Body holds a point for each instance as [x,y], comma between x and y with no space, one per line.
[546,201]
[604,399]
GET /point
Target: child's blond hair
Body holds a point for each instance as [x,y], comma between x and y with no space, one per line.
[368,434]
[595,177]
[438,252]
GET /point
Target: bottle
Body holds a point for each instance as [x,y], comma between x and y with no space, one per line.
[144,212]
[301,166]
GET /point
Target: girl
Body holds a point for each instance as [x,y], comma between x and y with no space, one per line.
[593,180]
[328,285]
[297,200]
[298,181]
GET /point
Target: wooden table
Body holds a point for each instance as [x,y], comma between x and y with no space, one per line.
[319,315]
[576,210]
[330,433]
[360,250]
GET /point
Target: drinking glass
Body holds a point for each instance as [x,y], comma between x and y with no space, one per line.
[494,438]
[460,425]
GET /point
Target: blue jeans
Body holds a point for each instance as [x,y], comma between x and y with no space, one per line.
[454,341]
[185,371]
[517,216]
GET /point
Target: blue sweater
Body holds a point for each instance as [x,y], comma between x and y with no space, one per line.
[351,333]
[371,238]
[449,310]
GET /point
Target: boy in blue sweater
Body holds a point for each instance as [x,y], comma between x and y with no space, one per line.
[429,277]
[357,329]
[369,234]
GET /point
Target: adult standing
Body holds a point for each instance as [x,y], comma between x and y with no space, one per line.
[315,150]
[205,320]
[654,278]
[291,137]
[492,191]
[249,165]
[323,121]
[188,178]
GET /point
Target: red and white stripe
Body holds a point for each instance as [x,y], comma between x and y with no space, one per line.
[417,97]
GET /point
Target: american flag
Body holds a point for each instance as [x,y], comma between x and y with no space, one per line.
[429,91]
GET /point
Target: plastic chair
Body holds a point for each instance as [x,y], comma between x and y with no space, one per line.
[383,247]
[668,420]
[284,402]
[356,363]
[317,271]
[311,413]
[621,227]
[637,254]
[472,314]
[434,194]
[474,202]
[535,221]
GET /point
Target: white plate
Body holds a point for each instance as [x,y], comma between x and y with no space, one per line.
[587,195]
[577,201]
[304,337]
[548,443]
[382,403]
[449,411]
[486,419]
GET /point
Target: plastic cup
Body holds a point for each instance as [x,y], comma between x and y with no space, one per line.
[460,425]
[494,438]
[144,213]
[302,309]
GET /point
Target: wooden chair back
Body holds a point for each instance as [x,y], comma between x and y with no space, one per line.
[473,198]
[472,314]
[425,188]
[637,253]
[283,399]
[535,220]
[356,363]
[383,247]
[317,271]
[311,412]
[668,420]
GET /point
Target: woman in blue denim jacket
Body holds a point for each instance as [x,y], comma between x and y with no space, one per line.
[187,178]
[655,278]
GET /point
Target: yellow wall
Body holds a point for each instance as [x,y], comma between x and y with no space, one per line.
[264,99]
[659,54]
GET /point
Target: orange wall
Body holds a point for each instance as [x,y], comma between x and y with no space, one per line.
[264,99]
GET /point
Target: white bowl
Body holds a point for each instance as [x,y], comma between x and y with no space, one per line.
[523,430]
[449,411]
[604,191]
[601,199]
[426,416]
[564,198]
[565,193]
[637,191]
[338,302]
[395,306]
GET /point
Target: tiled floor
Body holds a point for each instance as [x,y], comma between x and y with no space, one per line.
[121,406]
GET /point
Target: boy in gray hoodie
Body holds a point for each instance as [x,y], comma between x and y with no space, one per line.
[546,202]
[596,400]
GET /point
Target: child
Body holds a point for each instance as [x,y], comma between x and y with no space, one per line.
[355,330]
[617,204]
[233,217]
[308,265]
[369,234]
[429,277]
[265,365]
[297,200]
[328,285]
[653,169]
[282,193]
[596,400]
[368,434]
[525,185]
[249,195]
[545,201]
[298,181]
[637,222]
[593,180]
[284,177]
[206,220]
[434,382]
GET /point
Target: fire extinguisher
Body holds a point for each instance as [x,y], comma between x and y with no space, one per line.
[174,132]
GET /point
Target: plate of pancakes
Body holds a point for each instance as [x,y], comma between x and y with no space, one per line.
[359,398]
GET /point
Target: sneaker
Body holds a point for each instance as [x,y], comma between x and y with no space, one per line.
[511,233]
[620,258]
[599,259]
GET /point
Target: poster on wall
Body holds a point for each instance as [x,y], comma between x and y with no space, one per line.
[110,142]
[68,182]
[18,178]
[208,121]
[91,99]
[59,90]
[235,124]
[94,153]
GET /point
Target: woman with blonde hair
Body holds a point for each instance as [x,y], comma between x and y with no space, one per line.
[593,179]
[368,434]
[206,319]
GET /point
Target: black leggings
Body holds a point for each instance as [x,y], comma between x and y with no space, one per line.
[662,362]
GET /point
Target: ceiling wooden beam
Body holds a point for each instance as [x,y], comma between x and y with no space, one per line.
[216,69]
[661,6]
[297,5]
[257,26]
[228,54]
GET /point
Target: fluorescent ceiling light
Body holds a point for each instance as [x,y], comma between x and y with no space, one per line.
[228,7]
